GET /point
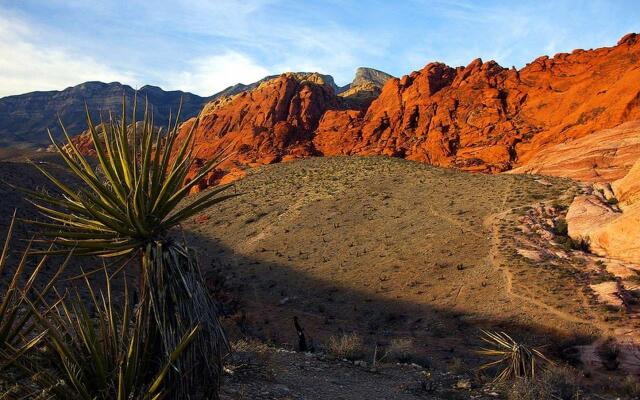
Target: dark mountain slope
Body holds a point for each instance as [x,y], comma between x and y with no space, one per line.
[24,118]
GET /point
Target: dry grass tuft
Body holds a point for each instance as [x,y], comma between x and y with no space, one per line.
[347,346]
[400,350]
[554,383]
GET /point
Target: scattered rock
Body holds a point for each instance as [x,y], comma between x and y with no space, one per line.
[463,384]
[608,293]
[361,363]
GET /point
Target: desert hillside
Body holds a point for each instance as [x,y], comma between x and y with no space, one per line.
[398,253]
[395,249]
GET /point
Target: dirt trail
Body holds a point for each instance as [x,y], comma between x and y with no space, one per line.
[499,263]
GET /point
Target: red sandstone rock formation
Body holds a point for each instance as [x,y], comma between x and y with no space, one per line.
[602,156]
[272,123]
[487,118]
[612,230]
[482,117]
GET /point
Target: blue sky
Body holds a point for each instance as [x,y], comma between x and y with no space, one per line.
[204,46]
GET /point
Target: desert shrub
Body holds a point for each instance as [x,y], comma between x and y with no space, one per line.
[457,366]
[558,205]
[561,227]
[603,277]
[400,350]
[513,359]
[612,201]
[581,244]
[349,346]
[554,383]
[609,354]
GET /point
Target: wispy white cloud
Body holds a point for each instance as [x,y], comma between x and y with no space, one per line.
[211,74]
[206,45]
[28,63]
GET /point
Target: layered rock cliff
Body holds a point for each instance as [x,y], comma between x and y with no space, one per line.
[602,156]
[609,217]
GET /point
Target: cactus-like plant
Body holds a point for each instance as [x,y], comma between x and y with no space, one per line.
[19,294]
[95,350]
[127,205]
[517,360]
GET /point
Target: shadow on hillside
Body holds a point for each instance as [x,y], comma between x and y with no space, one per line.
[260,299]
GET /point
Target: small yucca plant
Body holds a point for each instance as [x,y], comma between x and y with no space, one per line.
[517,360]
[18,333]
[128,204]
[100,352]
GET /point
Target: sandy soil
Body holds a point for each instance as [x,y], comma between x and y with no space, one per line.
[387,248]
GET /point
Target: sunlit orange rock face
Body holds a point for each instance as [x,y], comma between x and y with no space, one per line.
[612,230]
[272,123]
[484,117]
[481,117]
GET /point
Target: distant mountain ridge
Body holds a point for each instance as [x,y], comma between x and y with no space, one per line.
[24,118]
[367,76]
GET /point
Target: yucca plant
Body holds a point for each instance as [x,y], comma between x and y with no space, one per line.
[100,351]
[127,205]
[18,332]
[517,360]
[131,199]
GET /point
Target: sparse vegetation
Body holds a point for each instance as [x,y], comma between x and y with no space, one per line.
[603,276]
[517,360]
[346,346]
[581,244]
[561,227]
[609,354]
[554,383]
[400,350]
[629,387]
[407,303]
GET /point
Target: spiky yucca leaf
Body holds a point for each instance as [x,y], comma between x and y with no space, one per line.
[517,360]
[102,352]
[131,198]
[18,334]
